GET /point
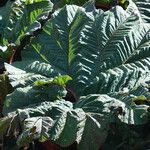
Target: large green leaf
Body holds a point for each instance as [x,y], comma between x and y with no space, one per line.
[107,54]
[122,77]
[88,44]
[91,43]
[93,47]
[21,17]
[87,120]
[72,123]
[33,88]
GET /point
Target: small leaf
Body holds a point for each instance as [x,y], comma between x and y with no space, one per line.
[141,98]
[42,83]
[60,80]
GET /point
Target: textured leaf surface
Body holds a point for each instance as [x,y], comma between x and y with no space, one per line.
[21,17]
[143,6]
[87,120]
[91,43]
[90,46]
[136,114]
[75,123]
[29,92]
[125,76]
[40,125]
[99,50]
[106,54]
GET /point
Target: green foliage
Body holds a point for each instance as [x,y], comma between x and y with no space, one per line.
[33,88]
[143,6]
[101,58]
[95,56]
[61,80]
[73,123]
[21,18]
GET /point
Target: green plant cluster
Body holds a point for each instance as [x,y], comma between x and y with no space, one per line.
[79,74]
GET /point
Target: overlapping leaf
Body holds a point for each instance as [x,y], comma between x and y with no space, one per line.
[33,88]
[104,53]
[93,47]
[21,17]
[87,120]
[91,43]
